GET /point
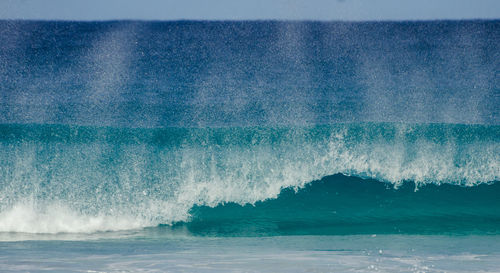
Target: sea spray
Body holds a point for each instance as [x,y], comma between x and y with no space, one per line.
[147,177]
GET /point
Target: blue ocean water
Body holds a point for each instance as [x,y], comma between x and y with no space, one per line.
[207,146]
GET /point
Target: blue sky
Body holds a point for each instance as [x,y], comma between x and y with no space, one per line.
[357,10]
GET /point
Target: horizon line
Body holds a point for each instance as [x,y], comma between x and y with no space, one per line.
[252,20]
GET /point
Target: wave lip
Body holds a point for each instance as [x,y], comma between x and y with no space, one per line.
[119,178]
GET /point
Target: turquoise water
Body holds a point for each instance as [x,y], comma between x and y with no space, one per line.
[339,205]
[249,146]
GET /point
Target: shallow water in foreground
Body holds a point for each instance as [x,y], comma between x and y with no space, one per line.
[160,252]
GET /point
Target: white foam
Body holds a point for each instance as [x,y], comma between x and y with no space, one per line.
[57,218]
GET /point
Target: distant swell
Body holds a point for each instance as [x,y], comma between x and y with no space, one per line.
[60,178]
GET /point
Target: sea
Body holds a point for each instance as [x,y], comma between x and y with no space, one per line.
[249,146]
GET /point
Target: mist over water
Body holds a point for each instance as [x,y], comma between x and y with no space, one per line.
[161,74]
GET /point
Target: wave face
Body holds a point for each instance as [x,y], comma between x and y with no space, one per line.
[341,205]
[61,178]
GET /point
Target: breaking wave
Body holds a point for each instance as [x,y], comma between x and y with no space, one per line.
[63,178]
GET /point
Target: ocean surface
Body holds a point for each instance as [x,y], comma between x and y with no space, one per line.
[250,146]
